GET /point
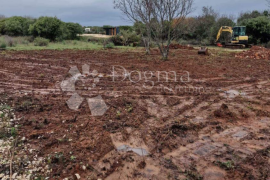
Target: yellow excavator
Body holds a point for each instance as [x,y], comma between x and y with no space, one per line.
[239,39]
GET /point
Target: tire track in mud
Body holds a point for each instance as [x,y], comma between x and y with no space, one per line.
[178,129]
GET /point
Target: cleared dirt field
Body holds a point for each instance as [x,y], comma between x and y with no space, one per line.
[214,126]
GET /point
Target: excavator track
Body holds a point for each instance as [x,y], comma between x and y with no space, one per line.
[237,46]
[234,46]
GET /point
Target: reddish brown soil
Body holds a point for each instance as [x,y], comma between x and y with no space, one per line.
[256,52]
[188,134]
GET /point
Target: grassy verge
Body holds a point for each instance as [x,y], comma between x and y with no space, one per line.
[79,45]
[26,43]
[58,46]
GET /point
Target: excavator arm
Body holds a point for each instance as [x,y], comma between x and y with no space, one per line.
[224,29]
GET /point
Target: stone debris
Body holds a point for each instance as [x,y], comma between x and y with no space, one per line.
[8,127]
[234,93]
[206,149]
[214,173]
[256,52]
[139,151]
[78,176]
[240,135]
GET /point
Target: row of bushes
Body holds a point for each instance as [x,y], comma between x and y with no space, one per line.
[119,40]
[115,40]
[8,41]
[39,41]
[50,28]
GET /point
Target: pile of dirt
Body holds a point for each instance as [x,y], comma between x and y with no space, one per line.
[178,46]
[256,52]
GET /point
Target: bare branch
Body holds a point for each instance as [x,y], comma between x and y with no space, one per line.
[162,18]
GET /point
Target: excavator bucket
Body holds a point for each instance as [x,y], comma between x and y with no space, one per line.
[204,51]
[219,45]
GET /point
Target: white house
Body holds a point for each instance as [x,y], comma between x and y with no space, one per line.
[87,30]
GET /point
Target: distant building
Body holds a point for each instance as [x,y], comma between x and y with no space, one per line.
[87,30]
[112,31]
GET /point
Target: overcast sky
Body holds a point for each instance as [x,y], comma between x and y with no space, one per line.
[101,12]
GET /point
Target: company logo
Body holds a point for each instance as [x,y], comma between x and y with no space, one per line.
[89,80]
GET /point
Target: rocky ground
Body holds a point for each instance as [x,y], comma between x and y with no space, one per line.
[18,161]
[256,52]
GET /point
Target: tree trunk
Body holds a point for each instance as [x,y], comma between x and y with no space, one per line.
[146,45]
[164,51]
[165,54]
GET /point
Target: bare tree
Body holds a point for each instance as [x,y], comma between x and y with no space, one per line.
[162,18]
[133,9]
[145,35]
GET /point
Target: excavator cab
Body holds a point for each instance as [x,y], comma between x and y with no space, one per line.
[239,31]
[239,35]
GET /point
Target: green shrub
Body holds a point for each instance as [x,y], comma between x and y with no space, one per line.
[2,26]
[117,40]
[7,41]
[129,37]
[134,38]
[30,38]
[126,28]
[25,42]
[3,45]
[13,132]
[39,41]
[109,45]
[11,42]
[17,26]
[72,30]
[75,42]
[83,38]
[95,40]
[47,27]
[258,29]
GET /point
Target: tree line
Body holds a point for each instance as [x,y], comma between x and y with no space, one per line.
[165,21]
[156,22]
[204,28]
[50,28]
